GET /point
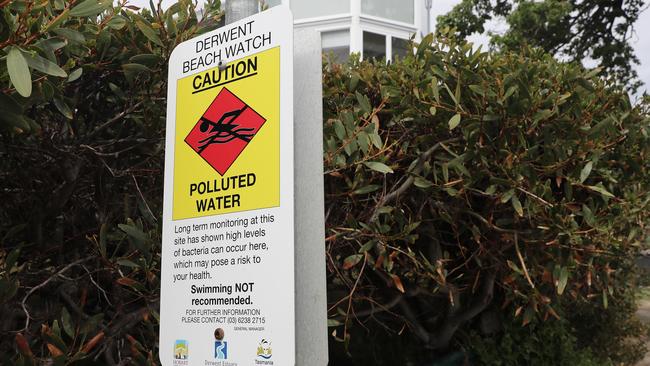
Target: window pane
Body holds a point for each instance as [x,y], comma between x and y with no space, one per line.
[336,44]
[272,3]
[401,11]
[401,48]
[311,9]
[374,45]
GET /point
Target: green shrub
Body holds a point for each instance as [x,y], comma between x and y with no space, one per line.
[458,179]
[539,344]
[81,147]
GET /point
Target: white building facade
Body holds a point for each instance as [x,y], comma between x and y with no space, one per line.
[377,29]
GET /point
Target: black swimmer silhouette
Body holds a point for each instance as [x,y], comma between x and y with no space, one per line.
[225,130]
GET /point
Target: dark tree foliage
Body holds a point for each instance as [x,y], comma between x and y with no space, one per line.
[82,123]
[578,30]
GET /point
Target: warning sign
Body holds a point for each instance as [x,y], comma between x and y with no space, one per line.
[227,278]
[224,130]
[228,134]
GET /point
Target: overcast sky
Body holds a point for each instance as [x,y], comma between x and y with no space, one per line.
[640,40]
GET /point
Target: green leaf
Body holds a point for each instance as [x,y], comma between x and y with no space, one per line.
[139,239]
[66,321]
[593,72]
[507,196]
[149,32]
[11,259]
[458,165]
[588,215]
[171,24]
[117,22]
[44,65]
[339,129]
[561,282]
[491,190]
[529,314]
[71,35]
[454,121]
[367,189]
[514,267]
[50,45]
[58,20]
[133,232]
[511,90]
[8,288]
[452,95]
[600,126]
[19,73]
[127,263]
[333,323]
[134,69]
[542,115]
[63,107]
[364,103]
[435,90]
[364,141]
[586,84]
[75,75]
[477,89]
[352,261]
[103,232]
[367,246]
[376,140]
[379,167]
[425,43]
[422,183]
[89,8]
[516,204]
[584,174]
[600,189]
[354,82]
[147,59]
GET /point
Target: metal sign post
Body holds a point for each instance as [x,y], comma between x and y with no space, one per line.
[239,9]
[311,297]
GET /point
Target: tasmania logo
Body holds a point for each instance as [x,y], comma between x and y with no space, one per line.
[224,130]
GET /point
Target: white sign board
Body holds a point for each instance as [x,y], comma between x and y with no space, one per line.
[227,281]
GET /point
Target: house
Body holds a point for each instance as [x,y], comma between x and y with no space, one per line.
[372,28]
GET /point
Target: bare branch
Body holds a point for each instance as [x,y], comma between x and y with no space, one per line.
[411,179]
[43,284]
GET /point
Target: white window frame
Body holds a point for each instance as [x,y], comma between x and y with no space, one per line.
[388,33]
[418,8]
[357,23]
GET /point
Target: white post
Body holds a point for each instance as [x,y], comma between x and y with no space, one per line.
[309,200]
[311,295]
[428,4]
[356,33]
[240,9]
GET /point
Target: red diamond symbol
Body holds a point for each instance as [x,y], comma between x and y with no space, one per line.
[224,131]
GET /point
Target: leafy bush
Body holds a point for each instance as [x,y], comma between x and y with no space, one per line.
[458,183]
[81,147]
[539,344]
[457,180]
